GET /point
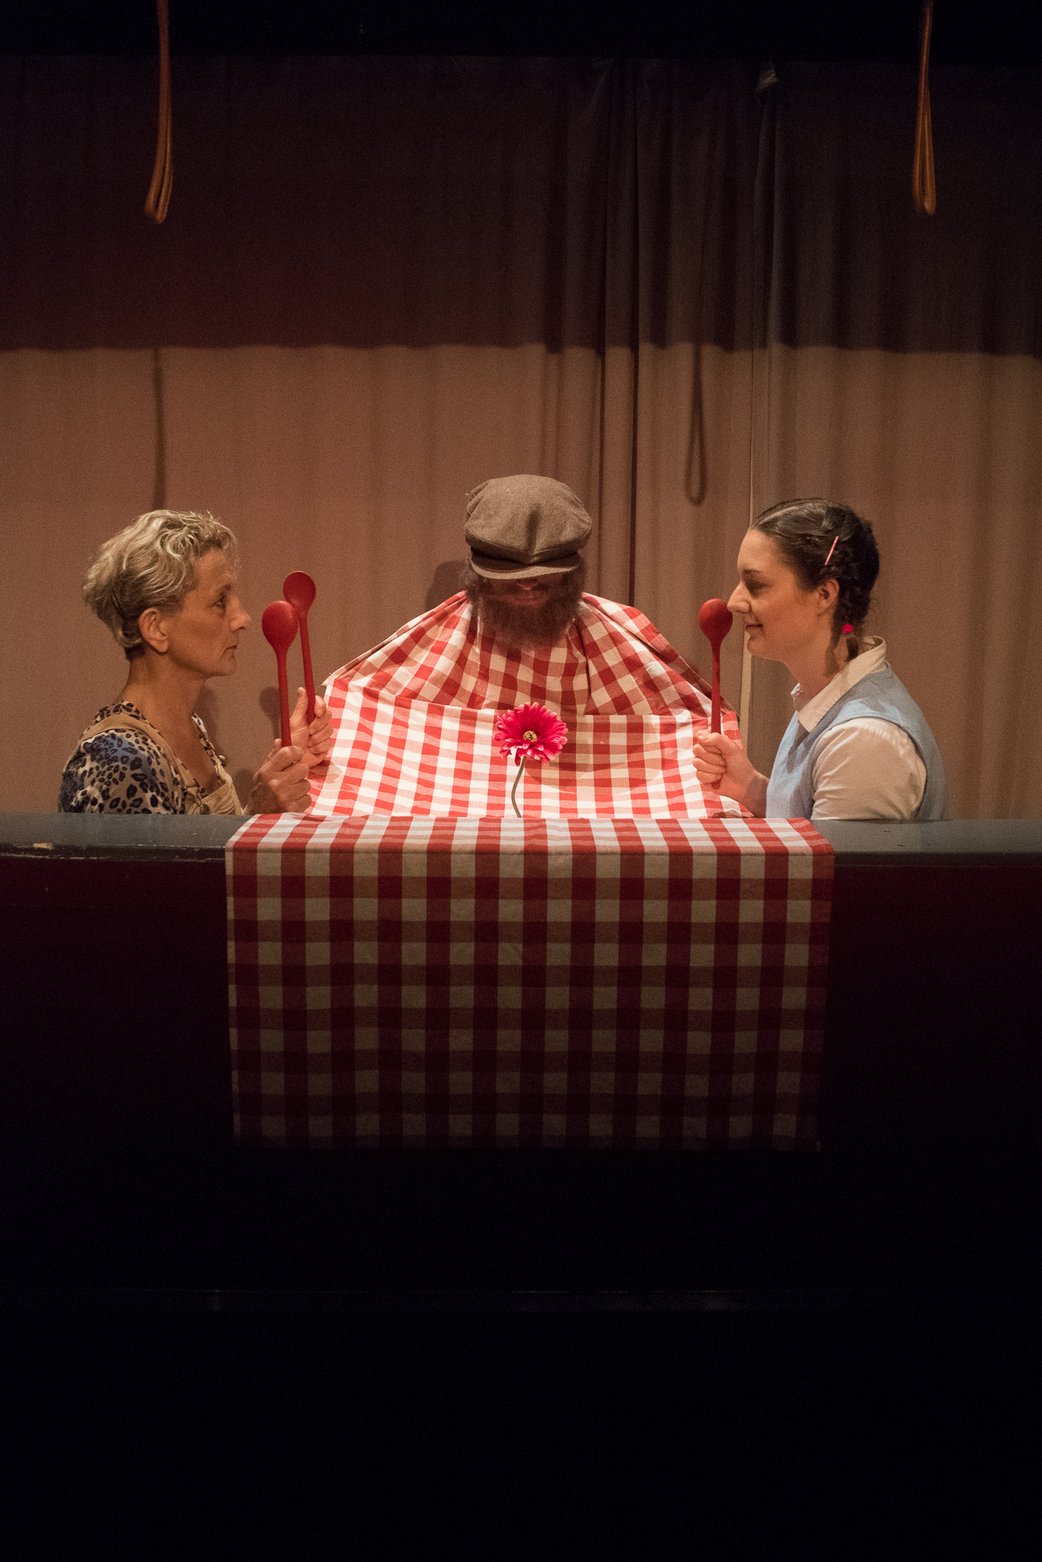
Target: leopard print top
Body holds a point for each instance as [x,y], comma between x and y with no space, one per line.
[129,769]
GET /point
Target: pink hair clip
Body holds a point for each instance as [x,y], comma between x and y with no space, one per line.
[848,629]
[831,551]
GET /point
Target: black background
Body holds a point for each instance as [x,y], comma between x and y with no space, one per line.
[965,32]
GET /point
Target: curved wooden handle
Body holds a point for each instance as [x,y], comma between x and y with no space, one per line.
[924,183]
[157,200]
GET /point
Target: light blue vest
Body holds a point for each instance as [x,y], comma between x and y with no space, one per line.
[881,694]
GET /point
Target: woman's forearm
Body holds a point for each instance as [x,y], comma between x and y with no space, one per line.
[755,798]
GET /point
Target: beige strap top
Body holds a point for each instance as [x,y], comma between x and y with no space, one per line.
[220,798]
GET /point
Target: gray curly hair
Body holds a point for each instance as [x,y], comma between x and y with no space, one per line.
[151,563]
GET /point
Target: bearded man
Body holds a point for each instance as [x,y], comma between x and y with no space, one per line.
[526,572]
[415,716]
[523,611]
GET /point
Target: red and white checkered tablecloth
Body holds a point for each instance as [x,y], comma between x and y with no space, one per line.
[493,981]
[415,722]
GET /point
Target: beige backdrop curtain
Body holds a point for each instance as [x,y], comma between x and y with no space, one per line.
[382,281]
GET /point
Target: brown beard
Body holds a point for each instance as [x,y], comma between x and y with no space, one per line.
[526,626]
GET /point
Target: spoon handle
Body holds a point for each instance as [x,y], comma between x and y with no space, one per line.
[287,736]
[309,674]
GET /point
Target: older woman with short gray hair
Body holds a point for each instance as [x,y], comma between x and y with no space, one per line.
[166,588]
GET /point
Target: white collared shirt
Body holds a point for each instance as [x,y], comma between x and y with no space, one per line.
[865,768]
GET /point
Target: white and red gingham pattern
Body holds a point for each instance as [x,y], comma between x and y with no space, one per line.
[415,722]
[409,981]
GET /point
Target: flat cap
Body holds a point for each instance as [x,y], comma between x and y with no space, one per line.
[520,527]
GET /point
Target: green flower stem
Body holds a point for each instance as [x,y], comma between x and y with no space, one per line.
[513,789]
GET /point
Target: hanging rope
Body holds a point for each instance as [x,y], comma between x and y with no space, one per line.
[924,185]
[158,198]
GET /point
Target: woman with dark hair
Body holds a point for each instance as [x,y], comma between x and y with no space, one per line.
[858,746]
[165,587]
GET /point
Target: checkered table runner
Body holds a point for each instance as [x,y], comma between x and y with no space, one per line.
[415,718]
[630,982]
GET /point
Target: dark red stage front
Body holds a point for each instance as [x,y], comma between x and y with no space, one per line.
[118,1122]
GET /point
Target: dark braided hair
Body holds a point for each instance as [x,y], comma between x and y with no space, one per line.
[805,531]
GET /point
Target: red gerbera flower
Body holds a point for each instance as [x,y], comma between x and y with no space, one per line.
[530,732]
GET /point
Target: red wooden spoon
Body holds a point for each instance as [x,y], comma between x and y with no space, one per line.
[714,620]
[300,590]
[279,623]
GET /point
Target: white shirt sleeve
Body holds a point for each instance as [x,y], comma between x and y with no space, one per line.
[867,769]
